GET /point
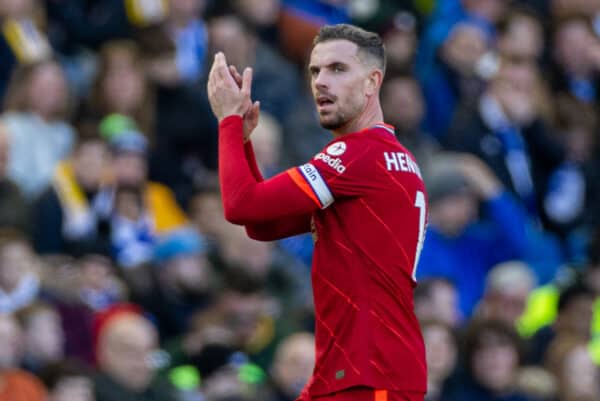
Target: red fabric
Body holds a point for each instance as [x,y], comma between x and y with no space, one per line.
[365,251]
[249,151]
[246,200]
[275,229]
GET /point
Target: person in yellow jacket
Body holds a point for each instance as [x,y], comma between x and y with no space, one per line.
[543,307]
[90,207]
[143,211]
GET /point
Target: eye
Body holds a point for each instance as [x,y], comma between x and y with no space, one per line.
[338,68]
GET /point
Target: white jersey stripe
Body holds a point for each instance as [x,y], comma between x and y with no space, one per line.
[388,129]
[317,183]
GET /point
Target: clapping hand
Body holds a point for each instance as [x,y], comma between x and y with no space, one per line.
[229,93]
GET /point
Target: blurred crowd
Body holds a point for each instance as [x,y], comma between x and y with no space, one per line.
[121,280]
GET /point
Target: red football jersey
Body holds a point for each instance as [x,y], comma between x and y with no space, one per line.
[368,234]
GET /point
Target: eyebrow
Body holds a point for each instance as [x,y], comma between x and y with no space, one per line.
[316,68]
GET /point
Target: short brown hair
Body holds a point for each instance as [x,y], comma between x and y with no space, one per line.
[367,42]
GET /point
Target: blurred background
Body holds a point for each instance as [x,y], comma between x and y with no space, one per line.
[120,279]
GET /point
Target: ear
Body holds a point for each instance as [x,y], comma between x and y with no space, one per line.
[373,82]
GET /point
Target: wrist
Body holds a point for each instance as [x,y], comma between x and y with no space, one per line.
[230,117]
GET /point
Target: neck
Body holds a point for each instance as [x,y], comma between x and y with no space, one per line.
[372,114]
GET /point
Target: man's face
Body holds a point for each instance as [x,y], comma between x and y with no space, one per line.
[125,352]
[403,103]
[130,169]
[338,79]
[89,162]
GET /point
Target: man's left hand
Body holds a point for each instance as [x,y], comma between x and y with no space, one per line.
[225,97]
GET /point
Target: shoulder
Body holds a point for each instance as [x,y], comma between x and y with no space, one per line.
[25,381]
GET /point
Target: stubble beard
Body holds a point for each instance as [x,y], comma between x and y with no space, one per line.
[334,123]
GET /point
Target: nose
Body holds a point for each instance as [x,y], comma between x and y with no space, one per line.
[320,81]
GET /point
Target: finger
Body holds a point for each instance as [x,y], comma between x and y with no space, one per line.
[247,82]
[236,75]
[220,59]
[221,69]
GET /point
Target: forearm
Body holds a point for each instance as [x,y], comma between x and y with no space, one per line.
[279,229]
[249,151]
[245,199]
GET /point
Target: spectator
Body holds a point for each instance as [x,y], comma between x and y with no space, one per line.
[19,274]
[190,36]
[569,359]
[72,215]
[17,385]
[132,236]
[570,198]
[40,136]
[206,212]
[506,129]
[121,86]
[521,35]
[455,242]
[492,356]
[402,100]
[576,50]
[79,289]
[508,286]
[436,299]
[292,366]
[44,338]
[22,41]
[458,77]
[184,282]
[442,354]
[574,314]
[261,262]
[238,319]
[130,168]
[400,41]
[125,345]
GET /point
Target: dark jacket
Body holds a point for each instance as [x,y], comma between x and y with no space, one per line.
[106,389]
[469,133]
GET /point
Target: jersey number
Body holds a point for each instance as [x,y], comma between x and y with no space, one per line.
[420,204]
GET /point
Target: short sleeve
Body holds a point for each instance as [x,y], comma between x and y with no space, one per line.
[339,170]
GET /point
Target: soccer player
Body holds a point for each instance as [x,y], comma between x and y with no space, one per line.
[363,199]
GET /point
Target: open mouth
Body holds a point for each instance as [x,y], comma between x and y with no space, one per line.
[324,101]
